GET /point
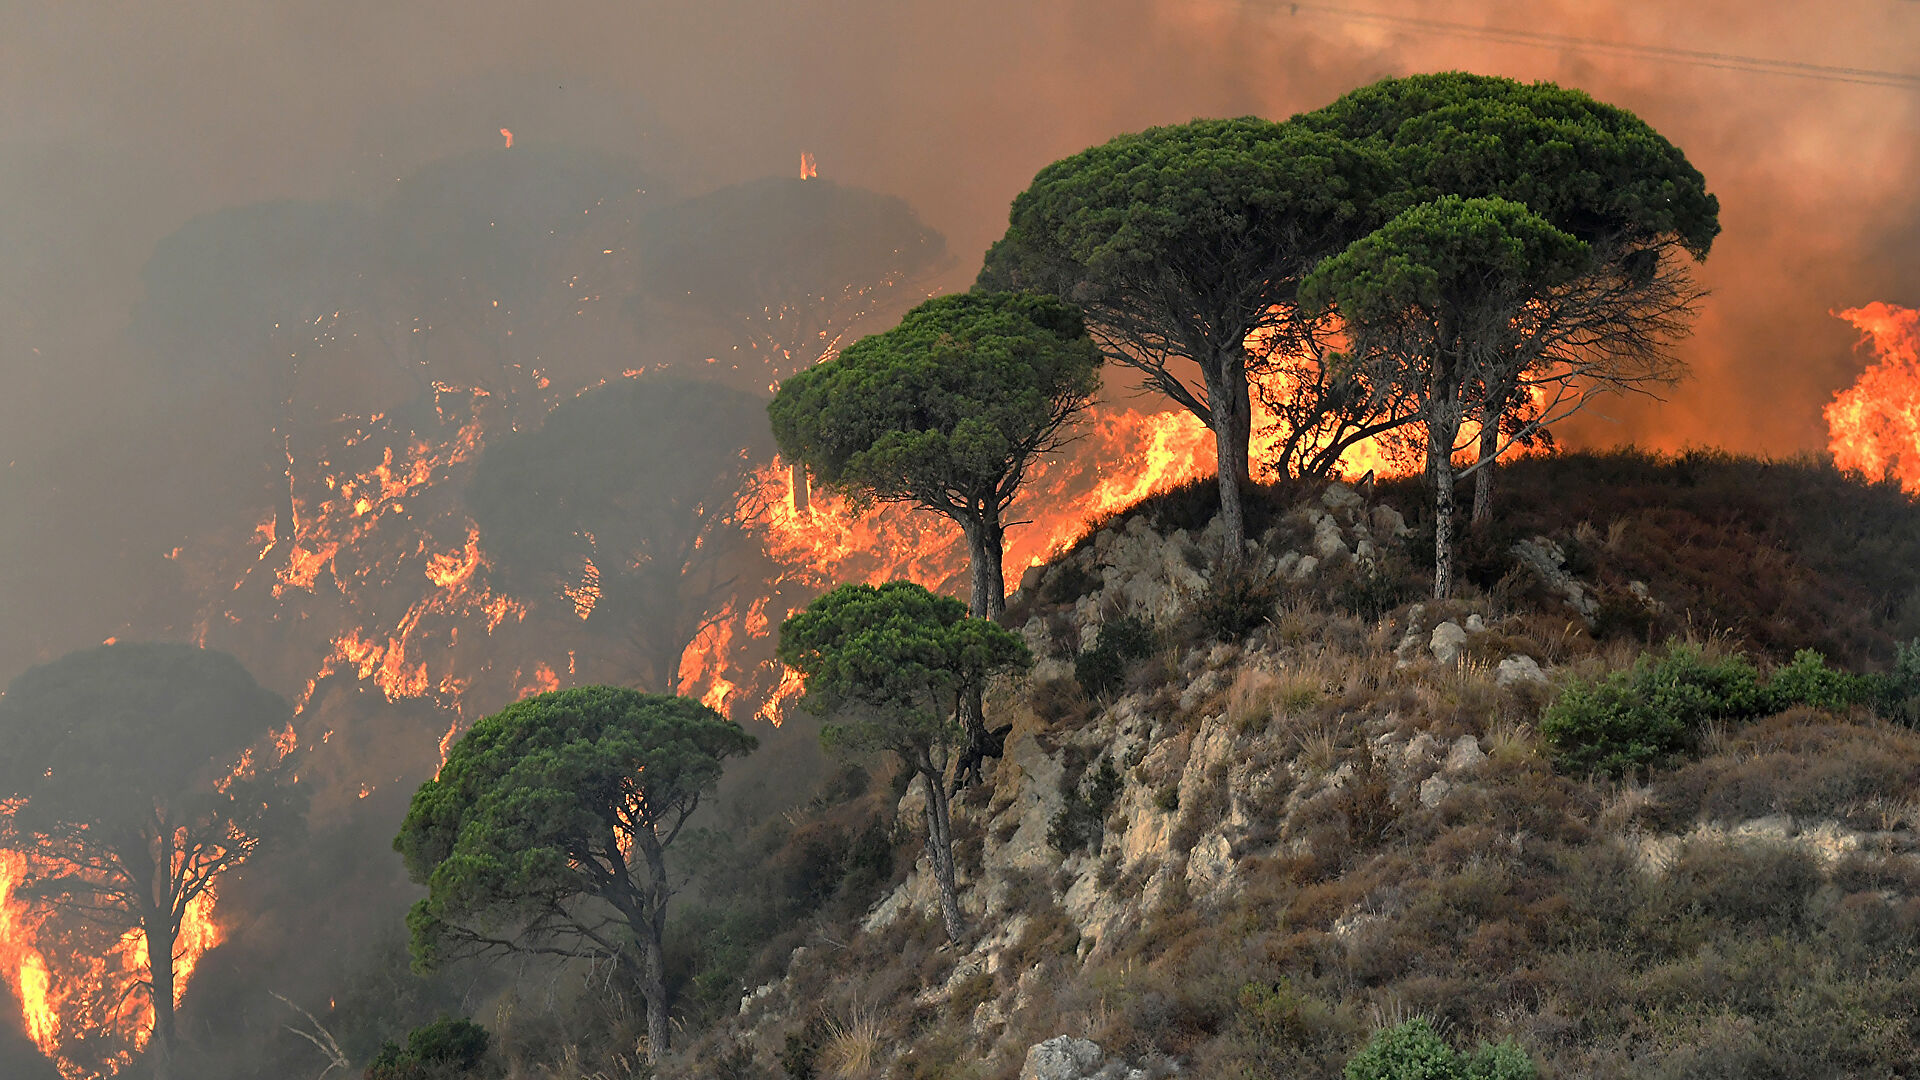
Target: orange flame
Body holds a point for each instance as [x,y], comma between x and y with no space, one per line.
[808,170]
[507,135]
[86,994]
[1874,425]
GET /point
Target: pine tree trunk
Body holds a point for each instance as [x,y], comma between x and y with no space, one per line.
[653,944]
[653,983]
[1483,480]
[1230,403]
[940,853]
[1443,426]
[160,939]
[986,540]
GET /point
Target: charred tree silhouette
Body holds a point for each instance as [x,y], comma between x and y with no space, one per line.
[624,509]
[137,776]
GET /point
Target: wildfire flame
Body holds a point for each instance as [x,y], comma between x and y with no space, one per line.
[79,989]
[1874,425]
[808,170]
[507,135]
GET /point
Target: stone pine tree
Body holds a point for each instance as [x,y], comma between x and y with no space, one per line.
[137,776]
[1436,293]
[1591,170]
[891,665]
[1182,242]
[635,488]
[547,832]
[946,411]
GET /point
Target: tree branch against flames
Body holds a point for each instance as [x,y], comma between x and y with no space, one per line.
[136,778]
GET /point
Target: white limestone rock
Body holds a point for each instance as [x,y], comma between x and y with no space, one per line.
[1518,669]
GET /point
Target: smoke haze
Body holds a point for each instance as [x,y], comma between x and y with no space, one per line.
[148,153]
[120,128]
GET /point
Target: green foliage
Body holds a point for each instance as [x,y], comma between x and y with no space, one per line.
[1069,582]
[1099,671]
[1081,820]
[1896,694]
[1413,1050]
[1103,668]
[1587,167]
[1643,716]
[535,805]
[900,655]
[126,727]
[1452,254]
[1809,681]
[1278,1014]
[946,409]
[1149,221]
[445,1049]
[1181,241]
[1238,601]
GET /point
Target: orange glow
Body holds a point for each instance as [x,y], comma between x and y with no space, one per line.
[507,135]
[1874,425]
[544,681]
[808,170]
[705,662]
[79,991]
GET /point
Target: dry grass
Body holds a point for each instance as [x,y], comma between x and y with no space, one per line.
[853,1046]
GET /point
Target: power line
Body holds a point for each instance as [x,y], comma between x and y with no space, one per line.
[1543,40]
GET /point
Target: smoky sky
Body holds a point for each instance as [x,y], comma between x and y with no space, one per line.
[119,123]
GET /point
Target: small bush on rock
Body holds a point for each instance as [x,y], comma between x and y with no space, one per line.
[1101,669]
[1081,820]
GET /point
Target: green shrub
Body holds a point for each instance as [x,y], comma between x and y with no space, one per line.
[1099,671]
[1081,820]
[1103,668]
[446,1048]
[1413,1050]
[1896,695]
[1809,681]
[1639,717]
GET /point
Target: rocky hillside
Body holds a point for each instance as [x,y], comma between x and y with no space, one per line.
[1245,820]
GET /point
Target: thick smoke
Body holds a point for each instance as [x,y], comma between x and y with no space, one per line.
[123,127]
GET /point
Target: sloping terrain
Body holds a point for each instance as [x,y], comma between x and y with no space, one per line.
[1245,820]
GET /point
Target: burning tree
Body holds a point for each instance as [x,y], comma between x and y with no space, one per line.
[1437,292]
[946,412]
[1593,171]
[547,830]
[1182,243]
[136,777]
[625,508]
[894,664]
